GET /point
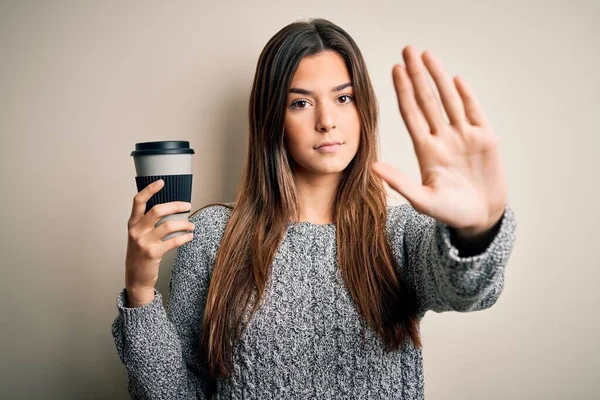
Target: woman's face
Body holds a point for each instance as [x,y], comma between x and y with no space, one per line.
[321,108]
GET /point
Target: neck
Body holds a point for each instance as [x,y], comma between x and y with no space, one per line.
[316,195]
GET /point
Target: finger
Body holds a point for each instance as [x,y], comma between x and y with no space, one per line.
[169,227]
[449,95]
[424,94]
[411,113]
[140,199]
[168,245]
[415,193]
[159,248]
[472,108]
[148,222]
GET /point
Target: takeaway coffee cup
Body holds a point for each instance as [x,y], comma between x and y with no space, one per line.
[171,161]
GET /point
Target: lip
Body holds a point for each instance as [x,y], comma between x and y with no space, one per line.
[327,144]
[332,148]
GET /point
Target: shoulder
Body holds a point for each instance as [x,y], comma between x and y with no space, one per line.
[397,215]
[397,212]
[405,216]
[210,222]
[212,214]
[403,220]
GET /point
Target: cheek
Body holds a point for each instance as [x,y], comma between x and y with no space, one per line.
[293,132]
[352,128]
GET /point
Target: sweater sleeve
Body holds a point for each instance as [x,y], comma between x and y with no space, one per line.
[442,278]
[160,347]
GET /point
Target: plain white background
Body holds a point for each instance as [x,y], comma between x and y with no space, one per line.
[82,82]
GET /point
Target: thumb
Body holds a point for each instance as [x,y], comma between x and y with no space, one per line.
[415,193]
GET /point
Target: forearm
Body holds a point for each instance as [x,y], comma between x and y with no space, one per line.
[449,276]
[150,348]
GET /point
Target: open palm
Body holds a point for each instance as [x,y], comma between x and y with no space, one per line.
[463,179]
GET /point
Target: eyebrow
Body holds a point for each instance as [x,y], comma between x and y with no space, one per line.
[308,92]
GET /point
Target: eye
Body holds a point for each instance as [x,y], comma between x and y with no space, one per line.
[346,96]
[297,102]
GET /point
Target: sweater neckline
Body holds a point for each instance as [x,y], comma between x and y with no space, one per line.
[308,224]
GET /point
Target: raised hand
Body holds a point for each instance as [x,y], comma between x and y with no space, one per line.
[463,179]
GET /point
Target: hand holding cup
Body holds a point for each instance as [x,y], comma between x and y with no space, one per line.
[145,247]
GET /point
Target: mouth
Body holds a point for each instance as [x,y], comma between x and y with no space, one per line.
[327,144]
[329,148]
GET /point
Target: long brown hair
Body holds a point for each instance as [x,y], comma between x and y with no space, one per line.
[266,200]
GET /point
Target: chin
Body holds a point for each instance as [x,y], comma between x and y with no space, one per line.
[330,168]
[318,165]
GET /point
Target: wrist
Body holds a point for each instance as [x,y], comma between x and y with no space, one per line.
[137,297]
[471,242]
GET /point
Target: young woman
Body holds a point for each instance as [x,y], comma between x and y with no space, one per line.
[309,285]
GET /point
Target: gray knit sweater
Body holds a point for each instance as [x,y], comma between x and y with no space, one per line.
[305,339]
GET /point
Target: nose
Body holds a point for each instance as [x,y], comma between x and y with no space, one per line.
[324,119]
